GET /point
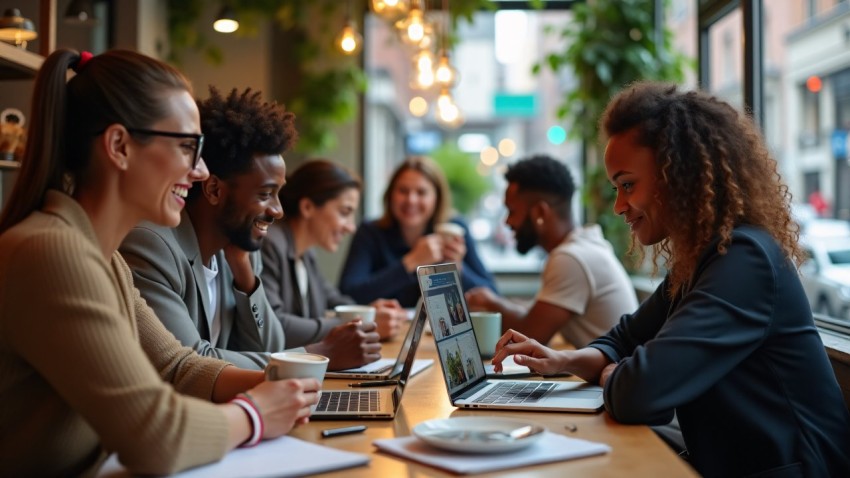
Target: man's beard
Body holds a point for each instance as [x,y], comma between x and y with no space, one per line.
[525,236]
[241,234]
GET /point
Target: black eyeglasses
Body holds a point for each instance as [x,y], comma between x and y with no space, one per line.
[199,140]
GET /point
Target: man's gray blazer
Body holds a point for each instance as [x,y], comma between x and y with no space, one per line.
[169,273]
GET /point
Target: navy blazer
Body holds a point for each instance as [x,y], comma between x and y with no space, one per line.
[374,270]
[738,357]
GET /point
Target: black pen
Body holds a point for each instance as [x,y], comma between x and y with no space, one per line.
[374,383]
[333,432]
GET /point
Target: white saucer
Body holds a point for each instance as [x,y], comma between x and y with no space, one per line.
[470,434]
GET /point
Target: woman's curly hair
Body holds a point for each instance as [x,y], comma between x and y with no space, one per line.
[715,170]
[239,126]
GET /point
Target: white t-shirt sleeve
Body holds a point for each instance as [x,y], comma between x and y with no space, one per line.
[565,283]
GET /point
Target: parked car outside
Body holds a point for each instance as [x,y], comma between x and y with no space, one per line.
[826,273]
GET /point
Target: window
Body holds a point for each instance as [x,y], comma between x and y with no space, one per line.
[809,135]
[508,113]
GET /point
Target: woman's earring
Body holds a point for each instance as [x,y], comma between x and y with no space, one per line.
[539,221]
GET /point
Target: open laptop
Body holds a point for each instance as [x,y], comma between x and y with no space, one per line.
[463,369]
[386,368]
[372,403]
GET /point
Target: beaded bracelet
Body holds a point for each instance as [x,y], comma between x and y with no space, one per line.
[257,427]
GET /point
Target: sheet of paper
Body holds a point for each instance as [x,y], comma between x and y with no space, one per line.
[551,448]
[284,456]
[418,366]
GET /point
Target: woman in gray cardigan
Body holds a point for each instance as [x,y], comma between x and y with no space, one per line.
[319,202]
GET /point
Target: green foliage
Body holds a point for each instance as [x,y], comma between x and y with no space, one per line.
[610,43]
[466,184]
[325,85]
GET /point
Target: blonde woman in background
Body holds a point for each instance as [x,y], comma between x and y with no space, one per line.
[384,254]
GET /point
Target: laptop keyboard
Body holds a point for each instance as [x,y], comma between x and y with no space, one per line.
[513,392]
[349,401]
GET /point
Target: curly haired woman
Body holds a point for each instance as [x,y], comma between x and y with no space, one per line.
[727,341]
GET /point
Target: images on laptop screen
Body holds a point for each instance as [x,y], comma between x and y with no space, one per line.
[450,324]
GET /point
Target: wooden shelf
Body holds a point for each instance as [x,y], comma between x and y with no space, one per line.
[17,63]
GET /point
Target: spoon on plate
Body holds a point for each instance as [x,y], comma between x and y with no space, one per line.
[490,435]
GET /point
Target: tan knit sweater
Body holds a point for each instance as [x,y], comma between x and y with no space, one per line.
[86,367]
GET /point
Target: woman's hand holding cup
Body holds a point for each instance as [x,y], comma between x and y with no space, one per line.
[454,245]
[292,386]
[427,250]
[285,404]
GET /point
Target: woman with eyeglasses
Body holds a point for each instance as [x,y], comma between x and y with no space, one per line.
[86,368]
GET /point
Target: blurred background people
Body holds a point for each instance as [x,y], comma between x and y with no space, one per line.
[584,287]
[202,277]
[384,253]
[319,202]
[87,368]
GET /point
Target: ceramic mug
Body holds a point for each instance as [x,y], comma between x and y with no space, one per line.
[283,365]
[365,313]
[488,330]
[449,229]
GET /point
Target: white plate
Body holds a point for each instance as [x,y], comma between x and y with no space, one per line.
[475,434]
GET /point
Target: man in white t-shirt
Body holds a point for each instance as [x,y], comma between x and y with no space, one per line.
[584,288]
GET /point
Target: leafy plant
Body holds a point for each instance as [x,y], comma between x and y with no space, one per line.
[324,86]
[611,43]
[466,185]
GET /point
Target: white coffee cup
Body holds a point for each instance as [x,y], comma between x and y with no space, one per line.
[283,365]
[488,330]
[365,313]
[449,229]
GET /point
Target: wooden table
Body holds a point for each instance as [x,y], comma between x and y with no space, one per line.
[636,450]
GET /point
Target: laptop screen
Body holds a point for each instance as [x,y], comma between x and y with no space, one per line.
[415,335]
[450,324]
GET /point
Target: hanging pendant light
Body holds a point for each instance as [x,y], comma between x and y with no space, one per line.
[447,113]
[226,21]
[414,30]
[349,41]
[390,10]
[16,29]
[80,12]
[423,70]
[445,75]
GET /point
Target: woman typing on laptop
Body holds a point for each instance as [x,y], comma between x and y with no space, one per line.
[727,341]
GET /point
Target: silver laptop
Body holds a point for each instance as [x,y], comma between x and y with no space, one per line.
[372,403]
[463,369]
[386,368]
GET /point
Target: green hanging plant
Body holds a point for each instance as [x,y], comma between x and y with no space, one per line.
[326,85]
[610,44]
[466,185]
